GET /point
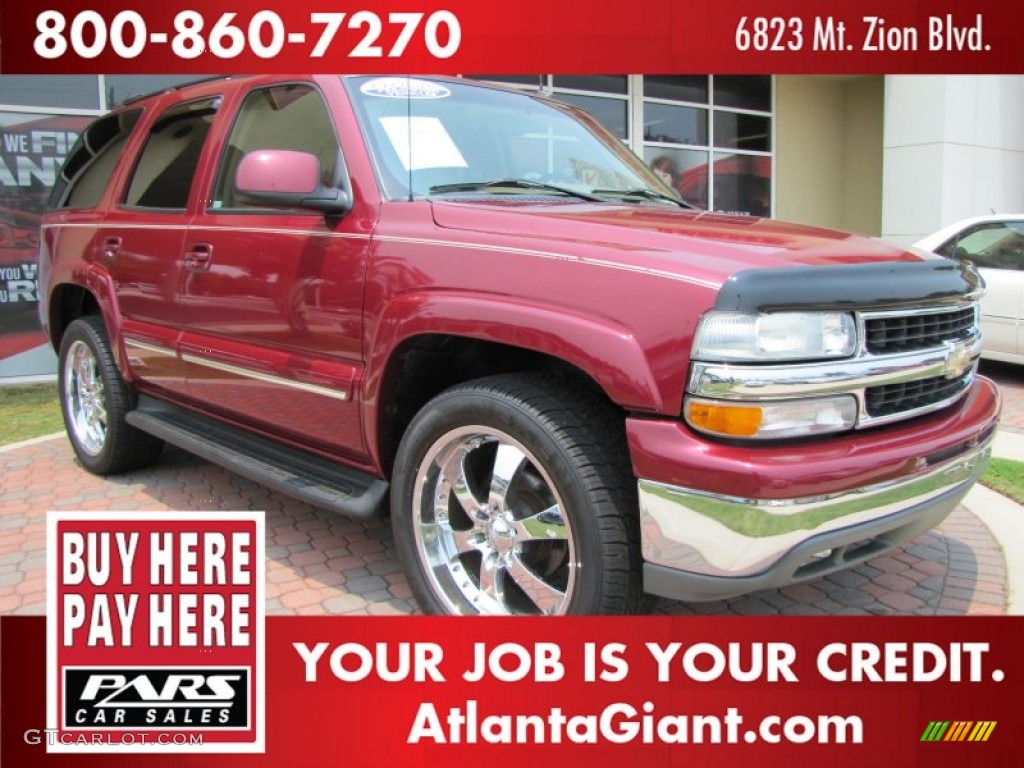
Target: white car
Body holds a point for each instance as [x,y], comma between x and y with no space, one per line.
[995,244]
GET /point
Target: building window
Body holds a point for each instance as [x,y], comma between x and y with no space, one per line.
[691,88]
[744,92]
[689,119]
[742,184]
[674,124]
[736,130]
[617,84]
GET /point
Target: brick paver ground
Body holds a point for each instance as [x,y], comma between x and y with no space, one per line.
[318,562]
[1010,379]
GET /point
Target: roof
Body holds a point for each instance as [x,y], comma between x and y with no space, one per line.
[178,87]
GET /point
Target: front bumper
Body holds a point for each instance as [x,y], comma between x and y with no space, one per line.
[702,547]
[731,528]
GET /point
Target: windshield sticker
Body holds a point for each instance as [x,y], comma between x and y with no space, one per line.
[404,87]
[422,142]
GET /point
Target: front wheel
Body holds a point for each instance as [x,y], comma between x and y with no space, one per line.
[512,496]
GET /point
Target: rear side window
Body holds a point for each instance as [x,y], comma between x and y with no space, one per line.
[167,164]
[91,161]
[290,116]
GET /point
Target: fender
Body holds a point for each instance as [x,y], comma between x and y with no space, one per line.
[606,351]
[100,284]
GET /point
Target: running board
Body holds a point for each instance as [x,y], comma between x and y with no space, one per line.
[291,471]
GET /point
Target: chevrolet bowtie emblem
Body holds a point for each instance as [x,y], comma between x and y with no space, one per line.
[958,359]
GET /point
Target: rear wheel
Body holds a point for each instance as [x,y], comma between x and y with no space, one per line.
[510,499]
[95,400]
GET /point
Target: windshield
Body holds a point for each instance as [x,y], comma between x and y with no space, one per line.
[455,139]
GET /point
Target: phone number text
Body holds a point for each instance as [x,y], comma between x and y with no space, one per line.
[358,35]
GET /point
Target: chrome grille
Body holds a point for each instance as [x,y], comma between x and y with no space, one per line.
[909,362]
[890,399]
[902,333]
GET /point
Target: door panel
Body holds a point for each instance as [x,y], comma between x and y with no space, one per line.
[146,269]
[142,239]
[273,299]
[274,322]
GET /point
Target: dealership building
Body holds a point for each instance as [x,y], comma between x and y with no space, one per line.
[896,156]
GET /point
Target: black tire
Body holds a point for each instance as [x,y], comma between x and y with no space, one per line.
[559,533]
[95,399]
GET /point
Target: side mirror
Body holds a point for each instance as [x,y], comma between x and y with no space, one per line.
[284,178]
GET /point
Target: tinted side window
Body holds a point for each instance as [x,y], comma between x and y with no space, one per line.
[995,245]
[167,163]
[91,161]
[280,117]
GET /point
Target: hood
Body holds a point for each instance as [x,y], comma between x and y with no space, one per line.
[708,246]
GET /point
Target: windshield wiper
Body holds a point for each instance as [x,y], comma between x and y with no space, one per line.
[646,194]
[478,186]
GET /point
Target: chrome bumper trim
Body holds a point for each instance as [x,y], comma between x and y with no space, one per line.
[721,536]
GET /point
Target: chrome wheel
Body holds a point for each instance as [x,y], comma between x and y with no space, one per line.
[85,398]
[490,528]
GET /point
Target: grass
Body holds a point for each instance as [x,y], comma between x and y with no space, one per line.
[29,411]
[1006,476]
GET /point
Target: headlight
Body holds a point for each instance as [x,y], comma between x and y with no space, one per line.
[772,420]
[781,336]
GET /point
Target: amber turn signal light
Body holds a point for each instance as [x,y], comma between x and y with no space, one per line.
[724,419]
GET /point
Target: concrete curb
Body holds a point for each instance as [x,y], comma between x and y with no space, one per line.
[28,381]
[31,441]
[1005,519]
[1008,445]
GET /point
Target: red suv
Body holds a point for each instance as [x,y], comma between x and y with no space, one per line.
[474,307]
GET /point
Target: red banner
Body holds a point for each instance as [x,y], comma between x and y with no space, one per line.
[460,36]
[155,628]
[659,691]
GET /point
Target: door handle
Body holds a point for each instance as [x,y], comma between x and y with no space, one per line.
[111,248]
[197,257]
